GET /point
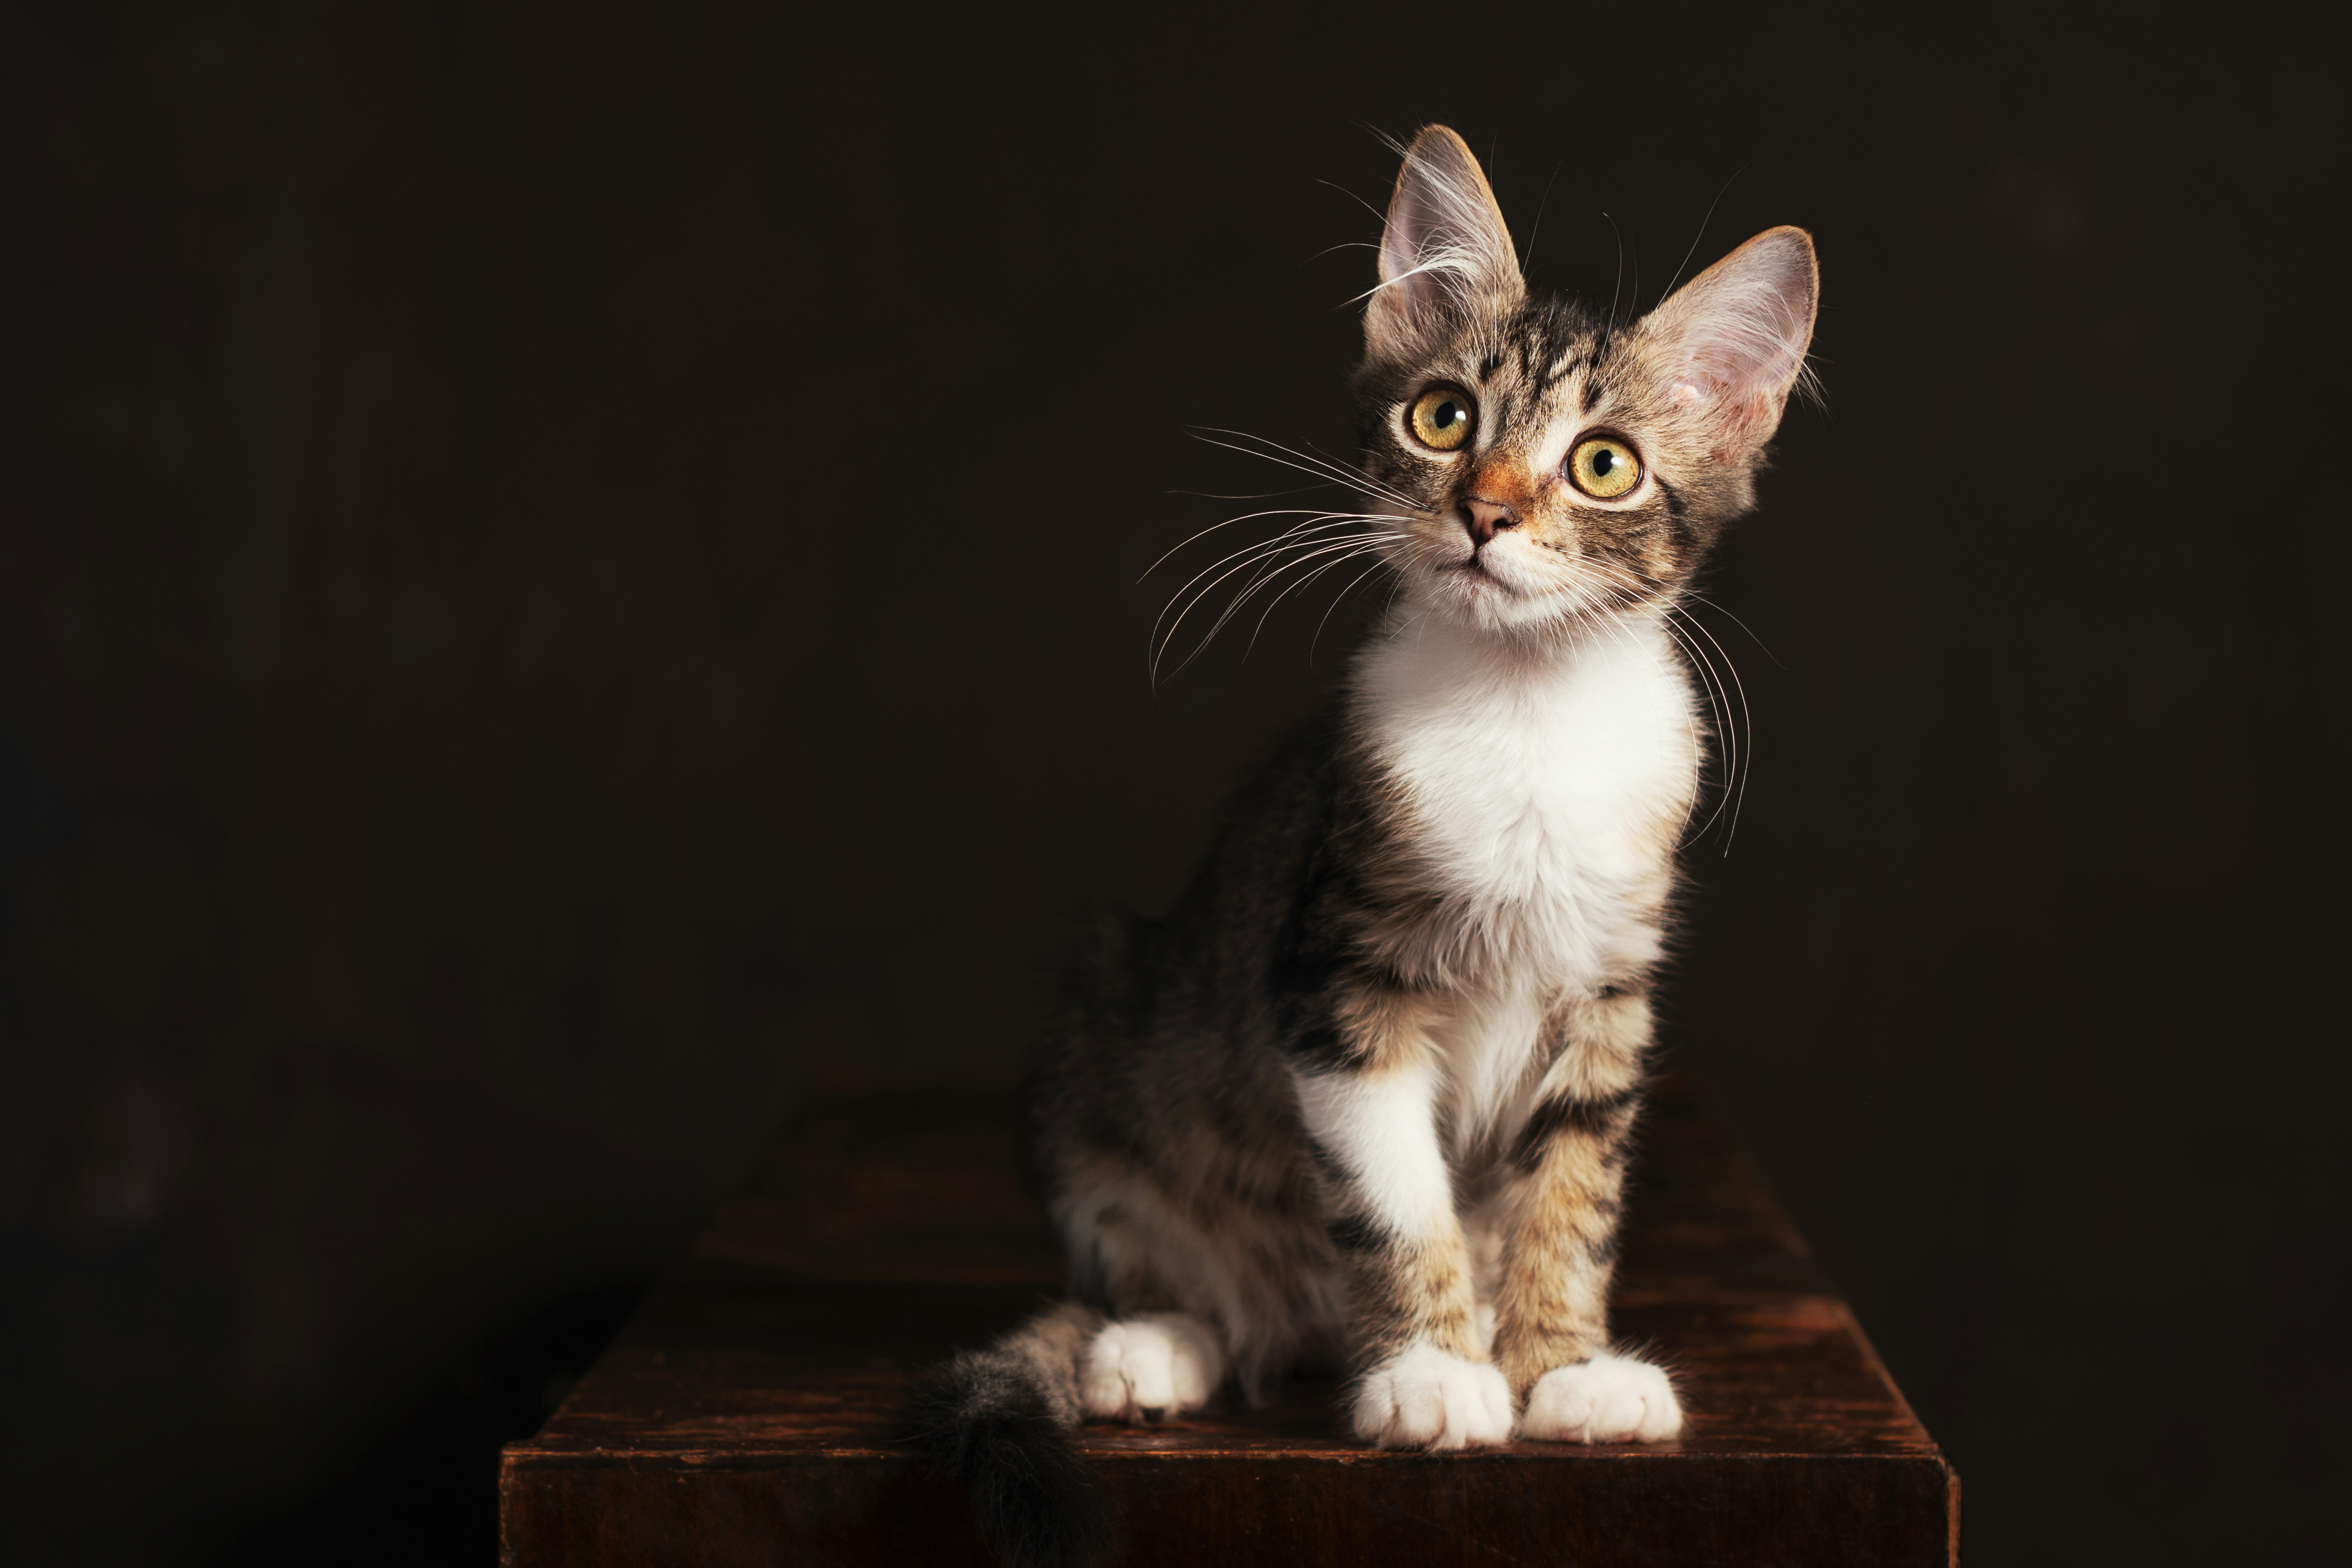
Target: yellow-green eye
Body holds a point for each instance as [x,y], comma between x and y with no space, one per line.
[1603,467]
[1441,418]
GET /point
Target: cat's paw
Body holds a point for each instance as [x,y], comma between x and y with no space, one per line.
[1427,1398]
[1609,1399]
[1150,1367]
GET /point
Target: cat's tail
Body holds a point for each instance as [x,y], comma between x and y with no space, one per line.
[1001,1419]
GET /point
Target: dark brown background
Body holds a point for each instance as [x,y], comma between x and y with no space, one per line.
[568,581]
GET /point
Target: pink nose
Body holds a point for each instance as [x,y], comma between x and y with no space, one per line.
[1484,517]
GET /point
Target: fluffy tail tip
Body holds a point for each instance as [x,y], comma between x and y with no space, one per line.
[982,1417]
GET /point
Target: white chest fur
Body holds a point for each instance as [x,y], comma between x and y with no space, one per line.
[1546,796]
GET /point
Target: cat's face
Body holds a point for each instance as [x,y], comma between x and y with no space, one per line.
[1539,466]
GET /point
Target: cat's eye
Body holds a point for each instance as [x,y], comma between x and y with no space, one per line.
[1441,418]
[1603,467]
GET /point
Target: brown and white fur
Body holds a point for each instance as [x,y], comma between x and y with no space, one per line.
[1365,1092]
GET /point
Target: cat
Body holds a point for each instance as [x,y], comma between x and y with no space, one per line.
[1364,1095]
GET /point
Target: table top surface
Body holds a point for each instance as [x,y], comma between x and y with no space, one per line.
[891,1231]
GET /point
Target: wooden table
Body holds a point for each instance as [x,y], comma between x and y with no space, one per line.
[751,1413]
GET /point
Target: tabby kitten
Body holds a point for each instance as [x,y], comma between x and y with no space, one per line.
[1365,1092]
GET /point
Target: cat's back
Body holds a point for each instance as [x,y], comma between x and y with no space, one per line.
[1137,980]
[1288,805]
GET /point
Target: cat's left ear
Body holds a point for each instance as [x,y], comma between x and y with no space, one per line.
[1446,250]
[1729,346]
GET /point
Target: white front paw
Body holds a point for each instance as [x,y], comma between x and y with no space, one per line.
[1428,1398]
[1150,1366]
[1609,1399]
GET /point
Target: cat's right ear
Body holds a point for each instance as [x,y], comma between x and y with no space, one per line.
[1446,249]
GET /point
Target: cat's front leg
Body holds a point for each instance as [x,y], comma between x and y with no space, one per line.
[1424,1379]
[1568,1178]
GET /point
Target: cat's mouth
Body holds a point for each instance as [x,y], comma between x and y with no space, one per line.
[1476,573]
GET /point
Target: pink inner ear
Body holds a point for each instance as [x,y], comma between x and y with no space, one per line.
[1747,424]
[1409,231]
[1445,240]
[1736,337]
[1735,423]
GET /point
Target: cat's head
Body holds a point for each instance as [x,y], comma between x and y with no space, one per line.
[1543,465]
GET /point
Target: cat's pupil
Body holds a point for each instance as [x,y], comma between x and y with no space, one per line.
[1446,415]
[1603,461]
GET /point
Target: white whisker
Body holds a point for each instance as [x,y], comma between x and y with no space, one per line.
[1318,465]
[1258,556]
[1353,583]
[1245,516]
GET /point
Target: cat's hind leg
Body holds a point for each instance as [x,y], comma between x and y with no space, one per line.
[1150,1366]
